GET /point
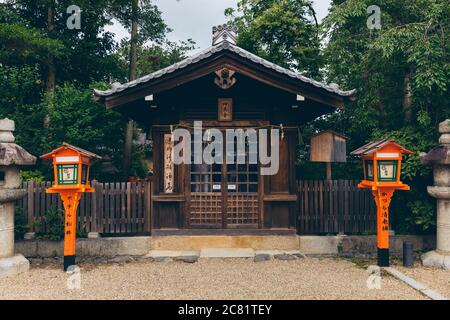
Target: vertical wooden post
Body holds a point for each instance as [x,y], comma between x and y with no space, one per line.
[70,201]
[94,208]
[30,209]
[148,206]
[383,198]
[329,174]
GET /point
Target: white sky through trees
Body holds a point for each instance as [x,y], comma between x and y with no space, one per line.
[195,18]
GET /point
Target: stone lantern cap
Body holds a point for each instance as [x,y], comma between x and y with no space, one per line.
[441,154]
[10,153]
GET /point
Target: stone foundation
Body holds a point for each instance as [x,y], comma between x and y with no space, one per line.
[13,266]
[139,246]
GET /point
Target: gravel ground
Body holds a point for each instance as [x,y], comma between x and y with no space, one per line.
[436,279]
[310,278]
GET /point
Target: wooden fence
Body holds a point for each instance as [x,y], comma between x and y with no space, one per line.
[335,206]
[114,208]
[325,207]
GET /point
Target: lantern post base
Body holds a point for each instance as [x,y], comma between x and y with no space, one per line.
[383,257]
[69,261]
[436,259]
[13,266]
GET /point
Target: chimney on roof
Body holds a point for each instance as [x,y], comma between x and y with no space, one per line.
[225,32]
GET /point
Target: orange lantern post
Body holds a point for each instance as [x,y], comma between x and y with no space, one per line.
[71,167]
[382,163]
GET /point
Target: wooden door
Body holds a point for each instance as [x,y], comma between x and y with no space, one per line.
[224,196]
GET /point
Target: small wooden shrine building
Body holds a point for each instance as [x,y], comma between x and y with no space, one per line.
[224,86]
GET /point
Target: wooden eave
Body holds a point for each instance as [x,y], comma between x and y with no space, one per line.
[220,60]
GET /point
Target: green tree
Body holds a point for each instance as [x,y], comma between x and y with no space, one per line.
[283,31]
[144,22]
[155,56]
[401,72]
[87,53]
[81,121]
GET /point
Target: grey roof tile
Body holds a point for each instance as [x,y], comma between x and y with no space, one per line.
[215,49]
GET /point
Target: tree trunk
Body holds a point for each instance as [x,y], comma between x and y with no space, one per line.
[132,76]
[407,98]
[134,42]
[51,70]
[50,81]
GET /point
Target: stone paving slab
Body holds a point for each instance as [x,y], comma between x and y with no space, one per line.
[415,284]
[171,254]
[227,253]
[276,252]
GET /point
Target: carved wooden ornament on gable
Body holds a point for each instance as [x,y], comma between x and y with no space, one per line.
[225,79]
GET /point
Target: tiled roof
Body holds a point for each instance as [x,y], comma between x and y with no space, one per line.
[77,149]
[224,46]
[374,146]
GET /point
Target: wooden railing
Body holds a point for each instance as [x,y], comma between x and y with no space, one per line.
[335,206]
[324,207]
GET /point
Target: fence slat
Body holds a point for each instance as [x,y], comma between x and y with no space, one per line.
[336,206]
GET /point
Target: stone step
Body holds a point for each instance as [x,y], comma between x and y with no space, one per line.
[171,254]
[197,243]
[227,253]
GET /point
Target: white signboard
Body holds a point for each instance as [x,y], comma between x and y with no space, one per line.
[67,159]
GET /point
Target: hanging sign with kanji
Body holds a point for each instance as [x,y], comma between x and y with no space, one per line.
[168,164]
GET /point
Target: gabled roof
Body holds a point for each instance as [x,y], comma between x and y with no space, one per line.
[71,147]
[376,145]
[13,154]
[224,46]
[331,132]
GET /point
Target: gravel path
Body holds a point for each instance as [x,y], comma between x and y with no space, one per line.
[436,279]
[310,278]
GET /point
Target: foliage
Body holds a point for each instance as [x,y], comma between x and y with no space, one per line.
[35,176]
[401,73]
[283,31]
[20,223]
[21,42]
[79,120]
[155,57]
[150,22]
[85,59]
[85,55]
[51,225]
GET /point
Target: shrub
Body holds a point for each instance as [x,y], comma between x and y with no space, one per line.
[51,225]
[20,223]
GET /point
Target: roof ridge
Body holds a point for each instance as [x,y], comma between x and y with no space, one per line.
[218,48]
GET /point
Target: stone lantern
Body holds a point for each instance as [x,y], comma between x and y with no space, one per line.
[12,157]
[439,158]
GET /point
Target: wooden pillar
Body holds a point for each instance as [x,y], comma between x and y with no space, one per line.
[94,208]
[148,206]
[329,175]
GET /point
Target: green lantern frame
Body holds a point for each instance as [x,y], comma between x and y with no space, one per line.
[61,180]
[394,164]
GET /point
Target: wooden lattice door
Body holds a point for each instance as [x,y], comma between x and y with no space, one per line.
[225,196]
